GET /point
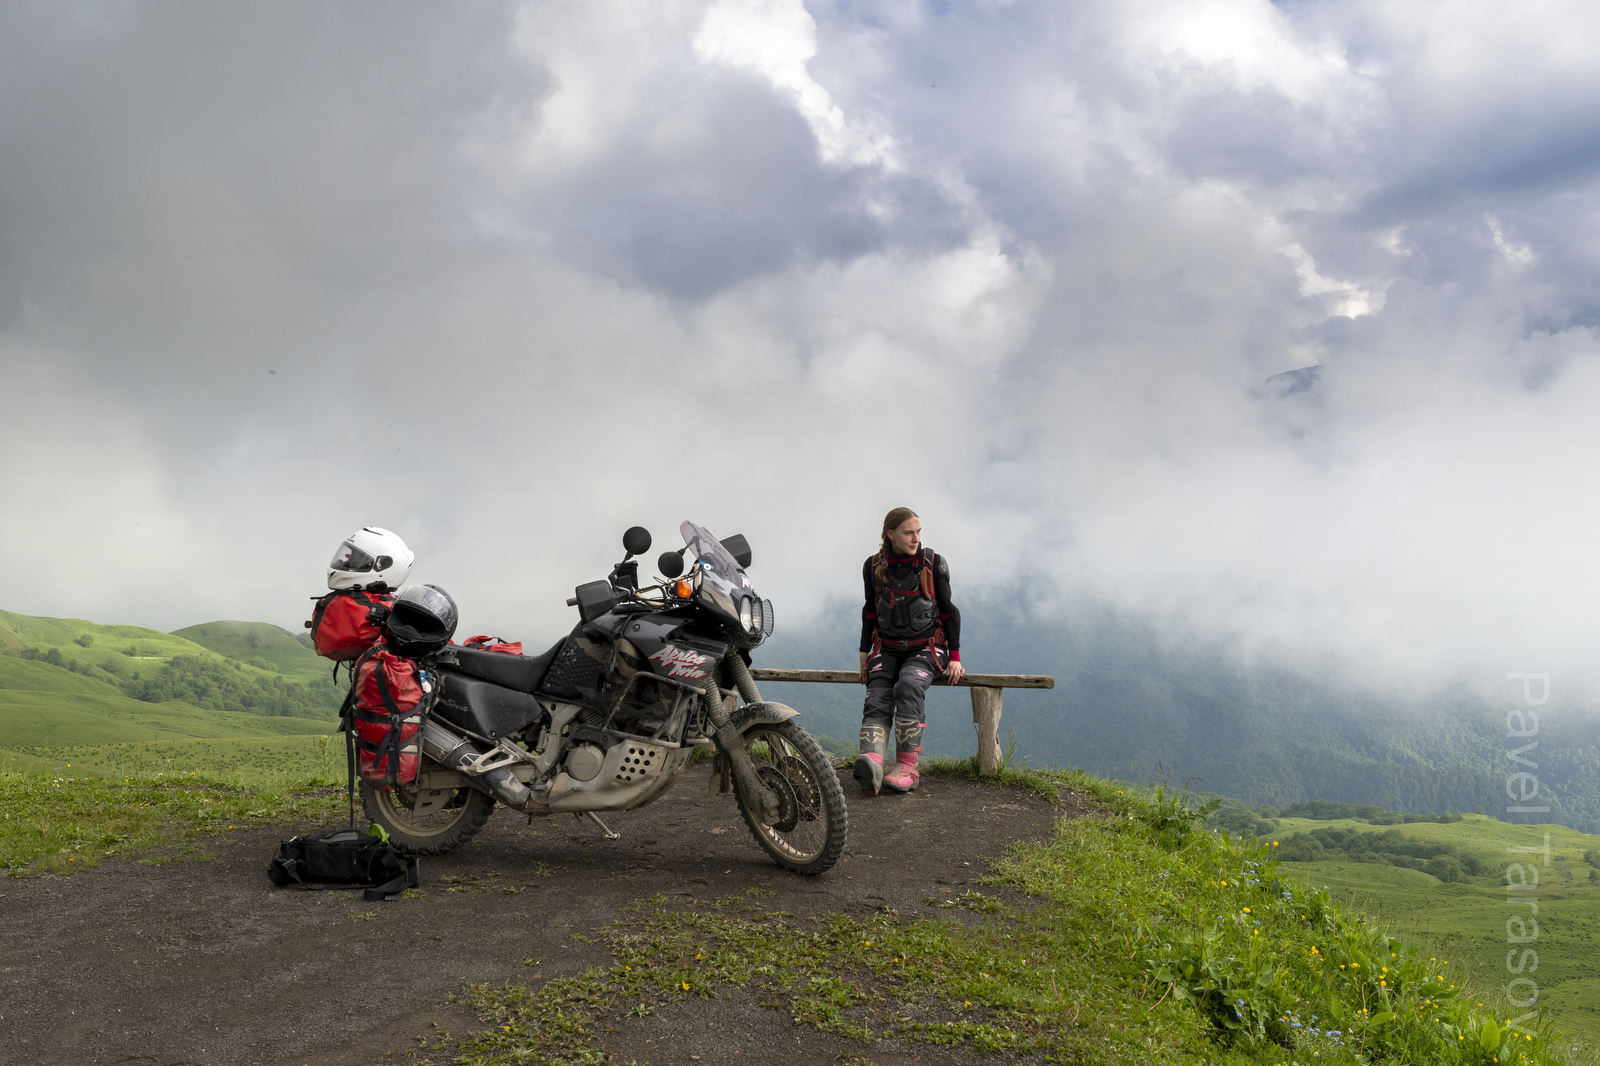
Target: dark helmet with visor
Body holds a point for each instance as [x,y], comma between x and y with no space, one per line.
[421,621]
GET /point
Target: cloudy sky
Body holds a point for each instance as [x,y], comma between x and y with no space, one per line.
[507,278]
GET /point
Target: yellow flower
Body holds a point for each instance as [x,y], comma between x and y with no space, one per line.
[1247,910]
[869,944]
[685,985]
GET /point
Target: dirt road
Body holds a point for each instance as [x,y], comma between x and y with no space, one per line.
[206,964]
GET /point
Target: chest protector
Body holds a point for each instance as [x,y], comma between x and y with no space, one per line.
[347,622]
[908,606]
[389,697]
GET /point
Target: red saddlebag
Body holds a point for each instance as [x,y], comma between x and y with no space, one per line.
[347,622]
[510,647]
[388,699]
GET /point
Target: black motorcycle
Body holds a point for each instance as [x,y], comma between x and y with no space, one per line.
[608,718]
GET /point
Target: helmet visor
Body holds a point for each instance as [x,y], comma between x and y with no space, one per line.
[352,559]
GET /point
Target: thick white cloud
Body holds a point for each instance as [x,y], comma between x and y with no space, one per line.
[511,279]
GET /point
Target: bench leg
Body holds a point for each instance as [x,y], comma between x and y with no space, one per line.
[986,715]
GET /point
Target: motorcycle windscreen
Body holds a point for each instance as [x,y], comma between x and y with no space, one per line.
[708,549]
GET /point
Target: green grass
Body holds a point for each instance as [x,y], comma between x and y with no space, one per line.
[256,761]
[1132,938]
[61,823]
[1467,922]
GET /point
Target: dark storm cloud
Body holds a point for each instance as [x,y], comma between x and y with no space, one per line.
[737,191]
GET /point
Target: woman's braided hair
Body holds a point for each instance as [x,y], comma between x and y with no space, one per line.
[891,522]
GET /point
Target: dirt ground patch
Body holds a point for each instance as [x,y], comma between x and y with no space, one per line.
[206,964]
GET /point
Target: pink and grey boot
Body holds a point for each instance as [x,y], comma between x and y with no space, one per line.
[903,777]
[869,764]
[869,772]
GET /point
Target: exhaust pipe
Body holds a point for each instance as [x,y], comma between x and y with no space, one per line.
[456,752]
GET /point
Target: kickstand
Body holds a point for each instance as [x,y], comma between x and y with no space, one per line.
[595,818]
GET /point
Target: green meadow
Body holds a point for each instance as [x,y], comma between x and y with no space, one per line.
[72,715]
[243,667]
[1466,921]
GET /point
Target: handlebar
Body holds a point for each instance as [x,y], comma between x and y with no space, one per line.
[633,594]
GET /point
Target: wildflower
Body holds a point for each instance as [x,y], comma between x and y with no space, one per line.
[685,985]
[1247,910]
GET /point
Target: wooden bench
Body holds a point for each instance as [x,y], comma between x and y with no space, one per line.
[987,691]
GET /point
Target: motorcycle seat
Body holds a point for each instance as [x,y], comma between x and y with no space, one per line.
[520,672]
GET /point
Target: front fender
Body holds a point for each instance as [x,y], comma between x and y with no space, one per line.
[763,713]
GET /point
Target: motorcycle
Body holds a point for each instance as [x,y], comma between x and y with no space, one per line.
[608,718]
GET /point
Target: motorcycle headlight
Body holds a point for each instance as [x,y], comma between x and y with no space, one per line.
[746,618]
[766,617]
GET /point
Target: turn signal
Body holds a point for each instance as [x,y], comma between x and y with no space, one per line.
[684,589]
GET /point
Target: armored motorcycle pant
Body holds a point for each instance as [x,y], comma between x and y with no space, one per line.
[897,686]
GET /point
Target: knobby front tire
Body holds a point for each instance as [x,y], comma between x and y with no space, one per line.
[809,834]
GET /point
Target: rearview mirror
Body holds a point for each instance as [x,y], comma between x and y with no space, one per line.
[670,564]
[739,548]
[636,541]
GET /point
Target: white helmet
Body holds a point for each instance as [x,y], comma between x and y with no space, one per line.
[370,558]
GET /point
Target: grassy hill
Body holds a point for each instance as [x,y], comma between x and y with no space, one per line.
[243,667]
[36,698]
[89,700]
[267,647]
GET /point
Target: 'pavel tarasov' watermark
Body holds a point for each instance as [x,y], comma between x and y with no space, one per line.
[1522,878]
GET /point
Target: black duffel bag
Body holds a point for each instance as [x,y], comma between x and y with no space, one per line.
[344,858]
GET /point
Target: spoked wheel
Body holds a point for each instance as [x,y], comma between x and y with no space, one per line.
[427,821]
[812,822]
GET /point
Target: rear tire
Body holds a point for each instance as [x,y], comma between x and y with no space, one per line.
[449,818]
[812,824]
